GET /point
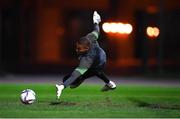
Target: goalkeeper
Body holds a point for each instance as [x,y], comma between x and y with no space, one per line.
[92,61]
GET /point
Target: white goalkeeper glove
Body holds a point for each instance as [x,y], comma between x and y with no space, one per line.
[96,18]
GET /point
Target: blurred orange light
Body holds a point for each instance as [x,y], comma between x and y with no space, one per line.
[156,32]
[113,28]
[152,31]
[106,27]
[128,28]
[119,28]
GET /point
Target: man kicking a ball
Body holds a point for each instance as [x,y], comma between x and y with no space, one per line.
[92,61]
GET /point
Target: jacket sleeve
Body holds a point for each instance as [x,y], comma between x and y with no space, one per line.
[93,36]
[84,65]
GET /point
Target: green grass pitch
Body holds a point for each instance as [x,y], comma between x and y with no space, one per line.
[87,101]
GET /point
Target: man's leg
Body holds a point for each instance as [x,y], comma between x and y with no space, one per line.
[81,79]
[102,76]
[110,85]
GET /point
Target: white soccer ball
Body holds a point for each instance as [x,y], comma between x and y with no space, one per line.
[28,96]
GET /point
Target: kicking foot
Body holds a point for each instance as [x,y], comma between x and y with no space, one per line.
[110,86]
[59,89]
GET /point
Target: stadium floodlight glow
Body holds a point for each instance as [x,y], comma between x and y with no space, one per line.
[120,28]
[113,28]
[152,31]
[128,28]
[106,27]
[156,31]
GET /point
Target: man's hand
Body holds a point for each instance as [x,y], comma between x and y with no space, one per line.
[96,18]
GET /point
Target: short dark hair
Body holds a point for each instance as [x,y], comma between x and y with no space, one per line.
[84,41]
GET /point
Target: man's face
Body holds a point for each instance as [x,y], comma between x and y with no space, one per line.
[81,49]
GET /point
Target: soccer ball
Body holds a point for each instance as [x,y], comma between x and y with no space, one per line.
[28,96]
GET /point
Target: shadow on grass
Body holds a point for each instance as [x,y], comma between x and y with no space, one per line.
[141,103]
[62,103]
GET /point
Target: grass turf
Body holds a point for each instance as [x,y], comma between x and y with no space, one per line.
[87,101]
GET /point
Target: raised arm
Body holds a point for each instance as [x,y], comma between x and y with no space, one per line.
[96,21]
[96,31]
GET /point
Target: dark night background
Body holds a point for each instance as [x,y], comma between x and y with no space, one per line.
[38,36]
